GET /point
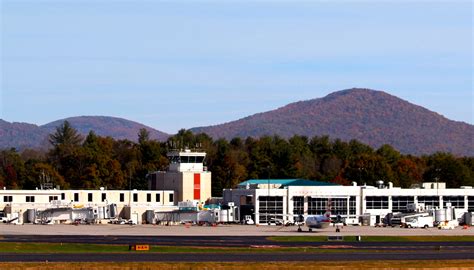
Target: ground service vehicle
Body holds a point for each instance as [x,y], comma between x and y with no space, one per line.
[420,222]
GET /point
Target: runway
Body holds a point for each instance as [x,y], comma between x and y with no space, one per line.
[234,257]
[225,241]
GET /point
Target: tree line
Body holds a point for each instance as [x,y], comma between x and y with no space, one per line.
[95,161]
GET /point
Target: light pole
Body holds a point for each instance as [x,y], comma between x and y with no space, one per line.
[268,195]
[360,175]
[437,170]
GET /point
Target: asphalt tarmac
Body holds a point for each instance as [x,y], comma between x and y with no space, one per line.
[230,236]
[221,230]
[224,241]
[234,257]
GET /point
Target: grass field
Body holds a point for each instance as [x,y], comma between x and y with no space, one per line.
[95,248]
[465,264]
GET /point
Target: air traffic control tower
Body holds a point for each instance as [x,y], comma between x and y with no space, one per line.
[186,175]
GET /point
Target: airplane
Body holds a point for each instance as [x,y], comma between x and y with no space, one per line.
[316,221]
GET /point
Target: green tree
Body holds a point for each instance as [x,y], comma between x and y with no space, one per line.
[151,157]
[12,168]
[40,172]
[389,154]
[444,167]
[409,171]
[65,135]
[66,156]
[367,169]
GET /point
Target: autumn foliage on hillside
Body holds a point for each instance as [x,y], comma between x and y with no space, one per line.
[23,135]
[93,161]
[372,117]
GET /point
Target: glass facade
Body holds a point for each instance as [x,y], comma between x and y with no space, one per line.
[470,203]
[456,201]
[270,208]
[317,206]
[298,207]
[399,203]
[429,201]
[376,202]
[352,205]
[337,206]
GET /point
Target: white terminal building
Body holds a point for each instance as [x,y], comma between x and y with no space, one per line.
[286,199]
[186,180]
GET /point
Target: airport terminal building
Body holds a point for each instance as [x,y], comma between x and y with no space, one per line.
[187,184]
[286,199]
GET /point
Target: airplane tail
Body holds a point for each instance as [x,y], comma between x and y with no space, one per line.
[327,215]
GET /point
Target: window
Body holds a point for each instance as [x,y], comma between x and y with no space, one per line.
[148,197]
[63,196]
[317,206]
[400,203]
[248,200]
[298,207]
[429,201]
[470,203]
[376,202]
[337,206]
[135,197]
[53,198]
[271,208]
[352,205]
[104,197]
[76,197]
[30,198]
[122,197]
[456,201]
[89,197]
[171,197]
[158,197]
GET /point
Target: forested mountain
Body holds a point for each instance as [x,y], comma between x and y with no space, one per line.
[23,135]
[117,128]
[372,117]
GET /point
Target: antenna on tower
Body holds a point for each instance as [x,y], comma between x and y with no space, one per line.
[45,181]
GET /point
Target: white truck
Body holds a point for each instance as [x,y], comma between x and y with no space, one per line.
[420,222]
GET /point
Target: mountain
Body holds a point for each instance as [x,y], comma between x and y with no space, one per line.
[117,128]
[372,117]
[23,135]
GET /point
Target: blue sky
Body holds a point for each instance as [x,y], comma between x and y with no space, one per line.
[182,64]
